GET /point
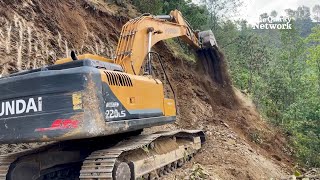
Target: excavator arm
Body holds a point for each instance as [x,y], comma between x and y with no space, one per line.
[140,34]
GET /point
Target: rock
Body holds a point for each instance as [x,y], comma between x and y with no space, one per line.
[120,3]
[225,124]
[276,157]
[292,177]
[231,136]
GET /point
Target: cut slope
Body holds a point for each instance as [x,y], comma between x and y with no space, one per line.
[36,33]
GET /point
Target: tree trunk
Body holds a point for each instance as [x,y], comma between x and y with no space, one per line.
[318,65]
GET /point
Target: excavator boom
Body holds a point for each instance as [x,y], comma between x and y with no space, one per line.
[140,34]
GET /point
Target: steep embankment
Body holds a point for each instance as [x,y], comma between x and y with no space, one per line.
[240,144]
[36,33]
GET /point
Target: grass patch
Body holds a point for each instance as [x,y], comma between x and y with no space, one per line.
[181,50]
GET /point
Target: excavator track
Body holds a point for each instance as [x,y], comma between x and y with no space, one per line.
[5,162]
[143,157]
[8,159]
[139,157]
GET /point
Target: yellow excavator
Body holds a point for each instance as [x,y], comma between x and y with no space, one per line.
[91,110]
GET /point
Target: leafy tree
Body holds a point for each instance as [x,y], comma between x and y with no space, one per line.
[149,6]
[292,54]
[197,15]
[316,11]
[220,10]
[302,18]
[303,12]
[291,13]
[274,13]
[314,52]
[264,15]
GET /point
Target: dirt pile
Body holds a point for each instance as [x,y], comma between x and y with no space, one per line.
[240,144]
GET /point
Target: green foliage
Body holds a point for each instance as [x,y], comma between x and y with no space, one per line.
[197,15]
[255,137]
[307,147]
[180,51]
[316,11]
[149,6]
[281,71]
[283,75]
[274,13]
[303,19]
[220,10]
[198,173]
[314,53]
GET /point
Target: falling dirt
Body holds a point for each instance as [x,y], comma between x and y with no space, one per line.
[240,144]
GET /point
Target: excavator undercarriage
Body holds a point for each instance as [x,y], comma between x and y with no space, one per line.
[138,157]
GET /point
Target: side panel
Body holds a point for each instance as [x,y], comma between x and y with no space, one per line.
[48,105]
[142,98]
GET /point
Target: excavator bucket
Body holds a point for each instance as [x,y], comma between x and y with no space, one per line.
[207,38]
[211,58]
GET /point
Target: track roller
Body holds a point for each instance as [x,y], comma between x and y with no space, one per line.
[121,171]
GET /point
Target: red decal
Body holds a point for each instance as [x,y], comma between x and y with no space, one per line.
[60,124]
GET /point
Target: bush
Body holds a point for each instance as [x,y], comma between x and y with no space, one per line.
[149,6]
